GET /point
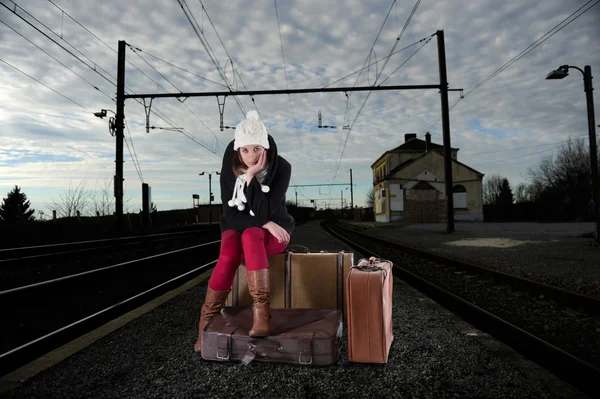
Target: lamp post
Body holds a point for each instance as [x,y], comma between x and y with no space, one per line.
[210,194]
[560,73]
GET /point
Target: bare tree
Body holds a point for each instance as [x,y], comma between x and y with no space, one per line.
[103,200]
[371,198]
[565,179]
[524,193]
[71,200]
[491,188]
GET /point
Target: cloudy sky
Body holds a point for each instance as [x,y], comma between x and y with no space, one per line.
[52,141]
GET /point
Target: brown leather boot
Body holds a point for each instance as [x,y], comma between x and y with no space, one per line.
[258,285]
[214,302]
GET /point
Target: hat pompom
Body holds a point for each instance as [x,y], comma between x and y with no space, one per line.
[252,115]
[252,213]
[241,207]
[238,201]
[265,189]
[231,203]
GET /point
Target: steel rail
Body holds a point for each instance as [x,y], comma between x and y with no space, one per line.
[71,276]
[33,247]
[112,307]
[80,250]
[575,371]
[566,297]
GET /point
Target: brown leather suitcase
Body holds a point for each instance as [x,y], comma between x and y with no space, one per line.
[369,305]
[298,336]
[312,280]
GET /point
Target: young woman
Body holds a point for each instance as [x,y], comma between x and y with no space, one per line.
[255,223]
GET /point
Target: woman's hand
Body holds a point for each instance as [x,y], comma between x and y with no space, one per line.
[259,167]
[278,232]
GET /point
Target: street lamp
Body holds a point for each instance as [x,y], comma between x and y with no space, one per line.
[210,194]
[561,73]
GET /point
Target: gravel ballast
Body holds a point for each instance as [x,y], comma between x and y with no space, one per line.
[434,354]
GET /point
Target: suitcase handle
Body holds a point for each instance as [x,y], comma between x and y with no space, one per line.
[297,249]
[260,348]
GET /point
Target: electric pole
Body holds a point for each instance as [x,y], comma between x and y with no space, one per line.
[351,196]
[446,132]
[120,122]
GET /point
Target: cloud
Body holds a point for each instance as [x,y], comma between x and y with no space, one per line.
[47,141]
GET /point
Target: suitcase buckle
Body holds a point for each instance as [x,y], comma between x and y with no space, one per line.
[301,361]
[223,347]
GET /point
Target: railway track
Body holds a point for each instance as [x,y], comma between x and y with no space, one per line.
[500,305]
[31,264]
[43,315]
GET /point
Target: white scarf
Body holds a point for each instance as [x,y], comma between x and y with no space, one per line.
[238,198]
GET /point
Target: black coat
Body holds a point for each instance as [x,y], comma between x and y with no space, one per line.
[266,207]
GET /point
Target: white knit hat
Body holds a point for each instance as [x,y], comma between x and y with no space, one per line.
[251,131]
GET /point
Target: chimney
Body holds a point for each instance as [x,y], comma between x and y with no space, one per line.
[409,136]
[427,142]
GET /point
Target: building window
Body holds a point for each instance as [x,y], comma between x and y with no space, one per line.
[459,196]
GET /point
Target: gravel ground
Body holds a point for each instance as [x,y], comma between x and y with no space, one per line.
[559,254]
[434,354]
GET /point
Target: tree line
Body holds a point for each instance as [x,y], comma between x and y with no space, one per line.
[74,200]
[559,188]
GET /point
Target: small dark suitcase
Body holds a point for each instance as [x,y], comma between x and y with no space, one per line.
[298,336]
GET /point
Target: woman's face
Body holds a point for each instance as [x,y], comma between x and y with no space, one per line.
[250,154]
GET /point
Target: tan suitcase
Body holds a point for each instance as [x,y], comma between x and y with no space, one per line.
[300,280]
[369,311]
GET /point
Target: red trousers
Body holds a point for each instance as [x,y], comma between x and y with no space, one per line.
[254,245]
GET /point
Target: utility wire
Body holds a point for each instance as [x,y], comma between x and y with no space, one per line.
[116,52]
[135,50]
[373,63]
[45,85]
[175,66]
[95,64]
[518,148]
[369,93]
[398,39]
[523,53]
[58,44]
[235,71]
[531,47]
[137,166]
[405,61]
[150,65]
[190,16]
[348,95]
[57,60]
